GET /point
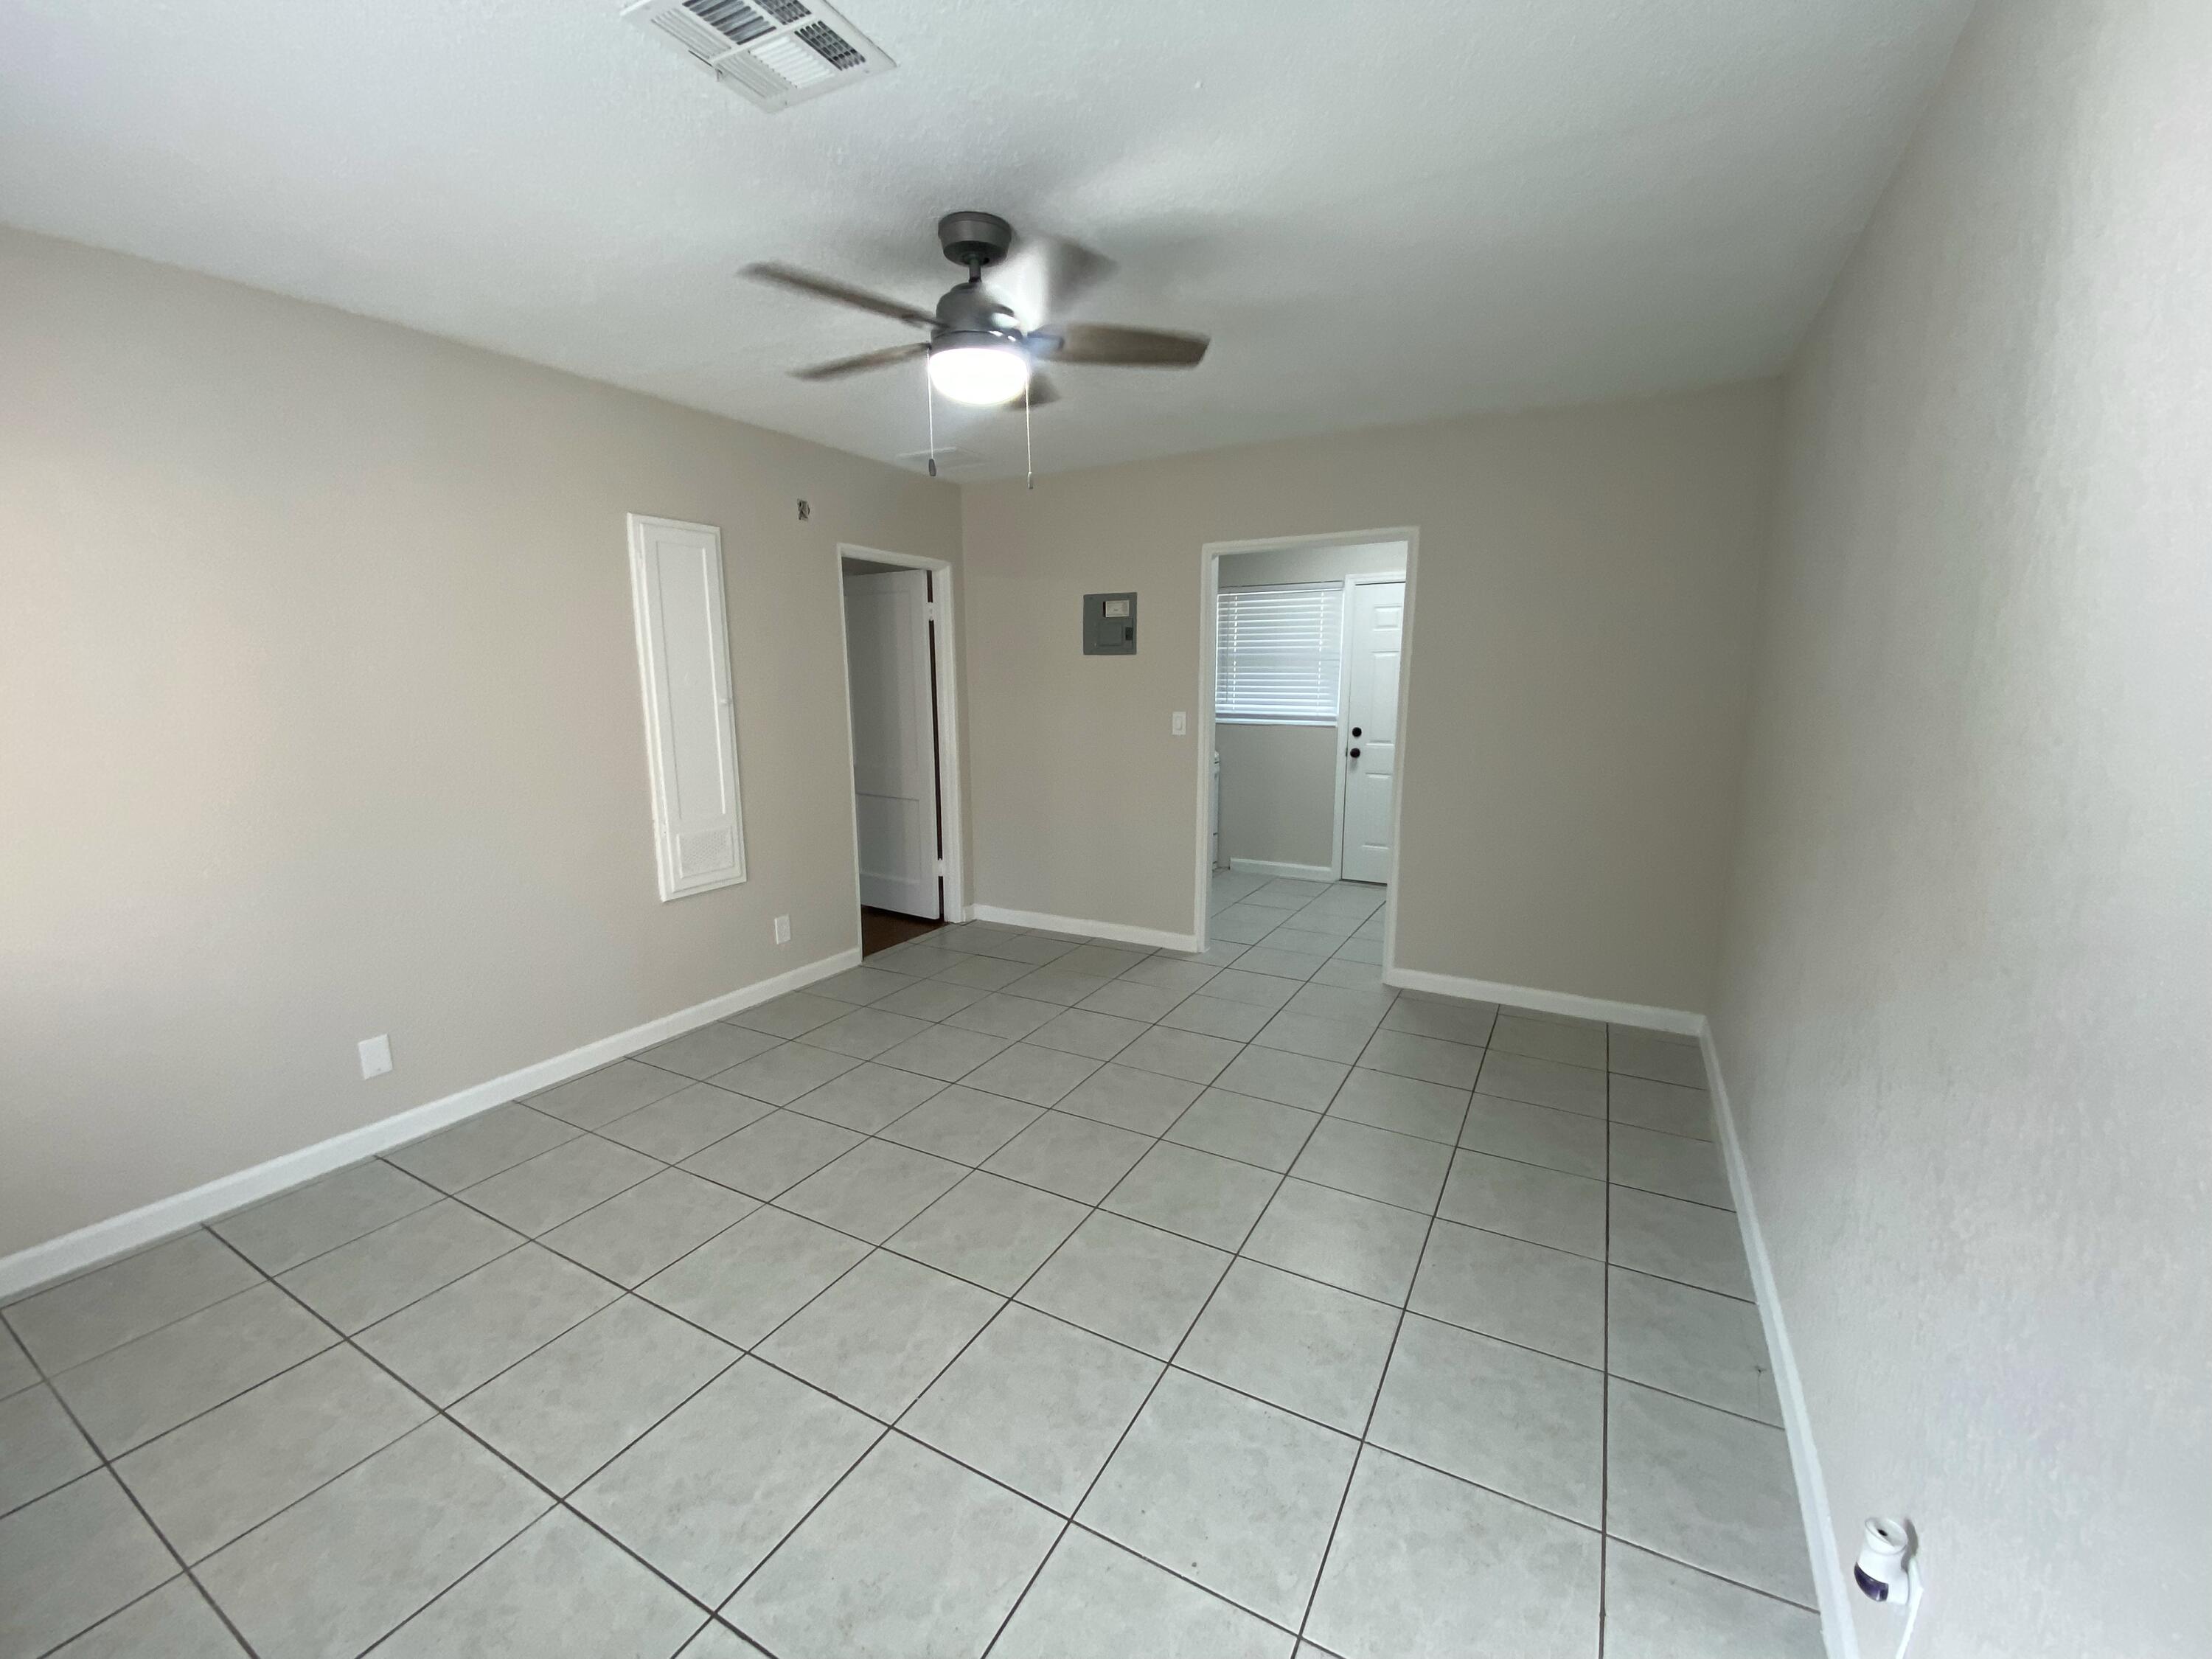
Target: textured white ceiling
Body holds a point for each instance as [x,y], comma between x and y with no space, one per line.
[1382,213]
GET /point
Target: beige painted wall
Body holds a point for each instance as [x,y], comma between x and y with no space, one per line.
[1581,628]
[1278,782]
[1278,792]
[1969,958]
[1309,564]
[322,718]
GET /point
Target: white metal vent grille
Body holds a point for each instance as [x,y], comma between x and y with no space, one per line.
[773,52]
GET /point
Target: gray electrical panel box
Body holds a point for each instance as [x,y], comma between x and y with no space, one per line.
[1109,625]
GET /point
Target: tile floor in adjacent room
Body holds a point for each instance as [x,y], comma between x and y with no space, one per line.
[1012,1293]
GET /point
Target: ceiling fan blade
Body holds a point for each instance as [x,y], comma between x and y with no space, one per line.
[1113,346]
[843,294]
[839,368]
[1045,277]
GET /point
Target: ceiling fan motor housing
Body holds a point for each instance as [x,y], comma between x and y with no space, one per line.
[968,310]
[974,239]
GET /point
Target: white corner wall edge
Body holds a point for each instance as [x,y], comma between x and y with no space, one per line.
[103,1240]
[1679,1020]
[1838,1633]
[1157,938]
[1293,871]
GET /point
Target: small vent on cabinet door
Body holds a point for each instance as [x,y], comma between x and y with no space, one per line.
[772,52]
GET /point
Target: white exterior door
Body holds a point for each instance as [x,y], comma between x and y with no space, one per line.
[894,739]
[1374,642]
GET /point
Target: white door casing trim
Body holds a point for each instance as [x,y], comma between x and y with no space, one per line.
[1209,587]
[951,790]
[1342,777]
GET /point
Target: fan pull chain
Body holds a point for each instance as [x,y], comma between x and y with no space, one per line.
[1029,449]
[929,402]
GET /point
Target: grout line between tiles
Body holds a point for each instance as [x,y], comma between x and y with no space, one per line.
[110,1617]
[438,1412]
[107,1467]
[1090,1209]
[1099,1473]
[1382,1381]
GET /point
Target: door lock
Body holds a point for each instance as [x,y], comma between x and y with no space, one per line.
[1355,731]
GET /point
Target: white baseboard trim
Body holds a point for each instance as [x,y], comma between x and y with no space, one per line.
[1680,1020]
[1294,871]
[103,1240]
[1158,938]
[1838,1633]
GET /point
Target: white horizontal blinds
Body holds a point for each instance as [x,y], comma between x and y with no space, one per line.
[1279,654]
[683,659]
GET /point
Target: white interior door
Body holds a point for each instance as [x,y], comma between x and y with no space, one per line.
[1374,643]
[894,739]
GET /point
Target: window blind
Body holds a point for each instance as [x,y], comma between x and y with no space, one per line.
[1279,652]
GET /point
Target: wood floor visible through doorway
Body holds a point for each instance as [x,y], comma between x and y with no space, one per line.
[881,929]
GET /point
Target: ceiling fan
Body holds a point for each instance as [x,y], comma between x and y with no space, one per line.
[985,340]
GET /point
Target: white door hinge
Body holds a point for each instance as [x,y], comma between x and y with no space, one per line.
[940,866]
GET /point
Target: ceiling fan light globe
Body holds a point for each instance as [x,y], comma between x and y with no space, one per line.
[978,370]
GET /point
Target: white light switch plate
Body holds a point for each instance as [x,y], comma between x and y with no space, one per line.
[375,1056]
[783,930]
[1181,724]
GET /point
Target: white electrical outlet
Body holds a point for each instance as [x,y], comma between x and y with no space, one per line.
[1181,724]
[783,930]
[375,1056]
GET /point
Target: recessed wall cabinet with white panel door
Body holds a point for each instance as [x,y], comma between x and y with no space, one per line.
[691,717]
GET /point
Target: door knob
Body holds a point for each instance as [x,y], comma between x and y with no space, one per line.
[1355,754]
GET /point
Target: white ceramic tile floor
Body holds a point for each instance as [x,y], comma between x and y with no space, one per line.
[1017,1293]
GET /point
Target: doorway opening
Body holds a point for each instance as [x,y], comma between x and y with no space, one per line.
[1304,644]
[902,736]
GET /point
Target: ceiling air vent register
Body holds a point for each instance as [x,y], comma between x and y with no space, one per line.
[772,52]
